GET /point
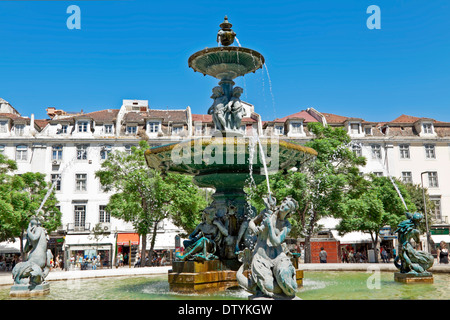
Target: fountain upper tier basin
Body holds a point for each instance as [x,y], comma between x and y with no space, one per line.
[223,162]
[226,63]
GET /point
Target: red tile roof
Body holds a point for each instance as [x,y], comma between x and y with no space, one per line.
[299,115]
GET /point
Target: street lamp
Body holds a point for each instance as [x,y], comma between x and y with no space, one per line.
[425,209]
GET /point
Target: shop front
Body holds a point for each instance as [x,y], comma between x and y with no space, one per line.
[82,253]
[127,249]
[355,247]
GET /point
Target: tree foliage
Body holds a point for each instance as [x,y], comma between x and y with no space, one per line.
[22,197]
[145,198]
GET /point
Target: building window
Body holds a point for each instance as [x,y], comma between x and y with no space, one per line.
[57,153]
[430,152]
[296,127]
[433,180]
[198,129]
[378,174]
[376,151]
[357,150]
[105,151]
[406,177]
[82,152]
[21,153]
[3,126]
[56,180]
[19,129]
[354,128]
[81,182]
[83,126]
[437,214]
[108,128]
[279,130]
[177,129]
[427,128]
[404,151]
[131,129]
[368,131]
[63,129]
[153,127]
[80,216]
[104,215]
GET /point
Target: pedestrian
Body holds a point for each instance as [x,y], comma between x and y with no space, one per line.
[323,255]
[384,255]
[443,253]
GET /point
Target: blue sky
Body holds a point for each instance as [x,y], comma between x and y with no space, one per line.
[318,53]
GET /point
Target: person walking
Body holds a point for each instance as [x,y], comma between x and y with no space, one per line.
[443,253]
[323,255]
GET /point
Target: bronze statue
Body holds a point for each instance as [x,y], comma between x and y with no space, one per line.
[203,241]
[411,261]
[272,272]
[33,271]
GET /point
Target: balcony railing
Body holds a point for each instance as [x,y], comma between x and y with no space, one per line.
[73,227]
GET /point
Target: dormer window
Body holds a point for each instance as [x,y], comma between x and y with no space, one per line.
[19,129]
[427,128]
[108,128]
[3,126]
[368,131]
[83,126]
[153,126]
[279,130]
[63,129]
[296,127]
[177,129]
[131,129]
[354,128]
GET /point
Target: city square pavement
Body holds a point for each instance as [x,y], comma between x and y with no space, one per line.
[55,275]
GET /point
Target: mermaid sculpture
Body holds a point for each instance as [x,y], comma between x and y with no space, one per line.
[32,272]
[272,273]
[411,261]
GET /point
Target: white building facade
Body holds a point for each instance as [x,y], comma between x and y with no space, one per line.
[70,147]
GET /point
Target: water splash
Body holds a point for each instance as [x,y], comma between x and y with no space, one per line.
[270,88]
[263,160]
[237,41]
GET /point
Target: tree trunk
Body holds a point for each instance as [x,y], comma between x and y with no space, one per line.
[152,243]
[143,249]
[310,232]
[307,257]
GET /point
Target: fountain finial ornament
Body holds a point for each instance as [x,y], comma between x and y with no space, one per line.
[225,36]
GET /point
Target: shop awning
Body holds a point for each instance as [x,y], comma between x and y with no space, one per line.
[352,237]
[10,247]
[83,241]
[437,238]
[123,239]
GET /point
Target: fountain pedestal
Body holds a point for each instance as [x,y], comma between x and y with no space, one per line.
[209,276]
[25,290]
[413,278]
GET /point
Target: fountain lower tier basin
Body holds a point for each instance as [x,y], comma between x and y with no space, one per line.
[226,62]
[209,276]
[225,162]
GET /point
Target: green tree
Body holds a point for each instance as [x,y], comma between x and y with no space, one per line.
[7,230]
[23,196]
[375,204]
[145,198]
[320,186]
